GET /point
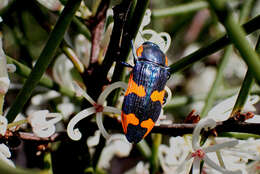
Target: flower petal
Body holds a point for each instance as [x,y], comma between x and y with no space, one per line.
[3,125]
[196,166]
[169,97]
[205,124]
[101,126]
[182,166]
[216,147]
[75,134]
[109,89]
[212,164]
[81,92]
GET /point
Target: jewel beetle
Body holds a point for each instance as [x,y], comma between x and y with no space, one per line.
[145,93]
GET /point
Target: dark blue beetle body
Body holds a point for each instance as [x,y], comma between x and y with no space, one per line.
[145,93]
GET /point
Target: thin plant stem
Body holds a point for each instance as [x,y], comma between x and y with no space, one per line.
[220,43]
[6,169]
[213,91]
[47,162]
[245,88]
[227,52]
[157,140]
[45,58]
[2,97]
[238,36]
[179,101]
[82,28]
[70,53]
[180,9]
[144,148]
[241,136]
[246,10]
[17,123]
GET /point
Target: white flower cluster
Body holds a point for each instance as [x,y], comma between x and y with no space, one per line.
[163,39]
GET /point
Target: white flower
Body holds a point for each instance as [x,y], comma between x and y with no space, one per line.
[97,107]
[116,145]
[11,68]
[237,157]
[172,156]
[83,49]
[222,111]
[66,108]
[163,39]
[43,98]
[255,119]
[5,154]
[62,71]
[42,122]
[4,79]
[200,153]
[141,168]
[83,11]
[53,5]
[253,167]
[3,125]
[106,39]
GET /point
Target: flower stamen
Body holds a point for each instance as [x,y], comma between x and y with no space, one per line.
[198,153]
[98,107]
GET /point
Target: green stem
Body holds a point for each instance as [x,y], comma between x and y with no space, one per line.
[2,97]
[220,43]
[241,136]
[6,169]
[249,78]
[245,88]
[24,71]
[213,91]
[45,58]
[70,53]
[179,101]
[180,9]
[243,93]
[48,163]
[82,28]
[155,149]
[238,36]
[215,86]
[144,148]
[17,123]
[246,10]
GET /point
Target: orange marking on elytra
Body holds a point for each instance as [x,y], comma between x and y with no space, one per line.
[148,124]
[134,88]
[166,60]
[158,96]
[128,119]
[139,51]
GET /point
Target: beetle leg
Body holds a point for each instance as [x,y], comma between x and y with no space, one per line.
[126,64]
[168,75]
